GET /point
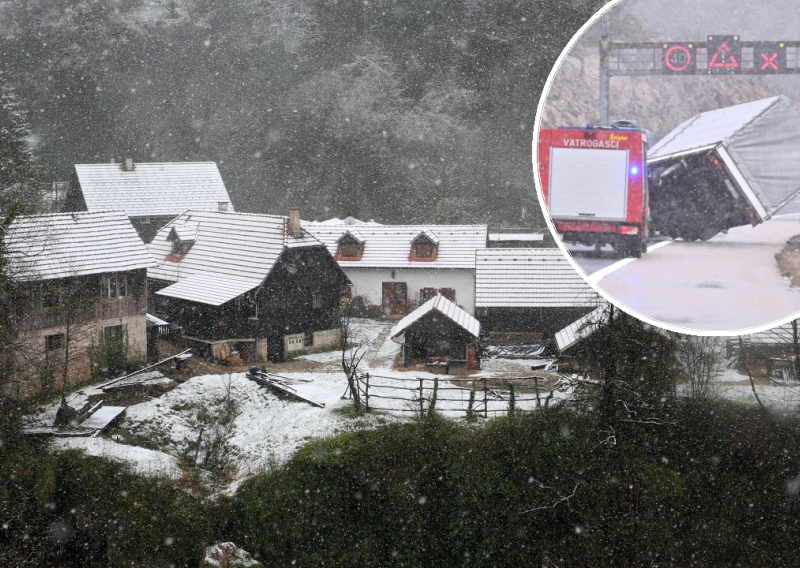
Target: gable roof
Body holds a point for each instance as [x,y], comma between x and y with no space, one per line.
[153,189]
[443,306]
[61,245]
[388,246]
[529,278]
[232,254]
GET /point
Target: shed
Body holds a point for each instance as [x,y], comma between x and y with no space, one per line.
[529,291]
[438,329]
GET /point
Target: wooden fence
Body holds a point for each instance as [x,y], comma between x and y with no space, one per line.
[481,396]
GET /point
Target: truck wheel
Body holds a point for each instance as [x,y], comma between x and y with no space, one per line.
[644,246]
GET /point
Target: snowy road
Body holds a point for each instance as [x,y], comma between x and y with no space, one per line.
[728,283]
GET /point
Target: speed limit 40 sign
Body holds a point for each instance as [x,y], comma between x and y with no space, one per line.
[678,59]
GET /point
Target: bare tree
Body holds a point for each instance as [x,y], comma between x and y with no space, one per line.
[352,351]
[701,361]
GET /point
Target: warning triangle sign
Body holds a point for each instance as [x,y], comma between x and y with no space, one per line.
[724,58]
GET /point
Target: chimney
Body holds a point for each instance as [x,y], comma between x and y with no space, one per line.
[222,206]
[294,222]
[127,165]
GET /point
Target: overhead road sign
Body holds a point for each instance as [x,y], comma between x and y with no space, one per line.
[769,57]
[724,55]
[679,59]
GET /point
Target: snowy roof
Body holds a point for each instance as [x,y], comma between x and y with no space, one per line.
[780,335]
[155,320]
[710,128]
[389,246]
[346,221]
[529,278]
[153,189]
[354,234]
[232,254]
[580,329]
[184,233]
[445,307]
[515,237]
[428,234]
[43,247]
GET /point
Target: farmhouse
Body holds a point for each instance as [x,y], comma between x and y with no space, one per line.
[78,295]
[438,329]
[399,267]
[529,291]
[151,194]
[256,284]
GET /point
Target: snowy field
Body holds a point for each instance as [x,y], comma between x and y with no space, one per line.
[169,435]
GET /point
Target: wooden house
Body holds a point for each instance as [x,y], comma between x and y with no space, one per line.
[256,284]
[438,330]
[78,285]
[399,267]
[151,194]
[527,293]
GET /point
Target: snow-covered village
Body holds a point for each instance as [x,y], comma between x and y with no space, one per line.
[276,288]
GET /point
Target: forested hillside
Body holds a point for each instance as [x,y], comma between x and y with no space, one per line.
[398,110]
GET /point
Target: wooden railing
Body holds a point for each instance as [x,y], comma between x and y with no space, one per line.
[482,396]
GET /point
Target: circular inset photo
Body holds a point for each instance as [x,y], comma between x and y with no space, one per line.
[667,159]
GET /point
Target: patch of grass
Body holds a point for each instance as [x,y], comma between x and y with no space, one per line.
[789,260]
[352,411]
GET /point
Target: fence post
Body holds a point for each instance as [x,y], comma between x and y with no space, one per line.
[421,400]
[366,392]
[485,400]
[536,386]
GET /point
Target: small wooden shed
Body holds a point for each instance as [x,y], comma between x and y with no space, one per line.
[439,329]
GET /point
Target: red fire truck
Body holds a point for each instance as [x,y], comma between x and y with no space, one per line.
[595,186]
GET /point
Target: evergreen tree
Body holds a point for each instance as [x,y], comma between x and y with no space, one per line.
[19,172]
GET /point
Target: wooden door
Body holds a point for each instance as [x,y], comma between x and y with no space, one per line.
[394,298]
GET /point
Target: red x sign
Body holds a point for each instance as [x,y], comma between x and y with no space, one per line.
[769,62]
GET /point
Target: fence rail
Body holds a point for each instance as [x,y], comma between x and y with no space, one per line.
[479,396]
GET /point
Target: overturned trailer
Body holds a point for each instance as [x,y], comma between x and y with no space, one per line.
[725,168]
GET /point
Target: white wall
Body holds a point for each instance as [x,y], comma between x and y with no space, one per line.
[368,281]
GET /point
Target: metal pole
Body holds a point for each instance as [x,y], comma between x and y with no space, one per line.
[604,81]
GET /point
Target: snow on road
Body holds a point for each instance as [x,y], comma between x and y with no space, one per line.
[729,283]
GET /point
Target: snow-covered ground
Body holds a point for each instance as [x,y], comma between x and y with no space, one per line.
[266,429]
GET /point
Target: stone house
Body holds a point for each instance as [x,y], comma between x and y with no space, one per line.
[77,285]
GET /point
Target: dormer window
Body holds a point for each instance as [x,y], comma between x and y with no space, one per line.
[350,246]
[182,238]
[425,247]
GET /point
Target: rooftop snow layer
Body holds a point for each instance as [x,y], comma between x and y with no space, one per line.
[529,278]
[445,307]
[43,247]
[153,189]
[232,254]
[389,246]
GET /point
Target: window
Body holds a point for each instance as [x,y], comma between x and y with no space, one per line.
[316,300]
[309,339]
[349,249]
[54,342]
[180,248]
[113,332]
[423,248]
[51,296]
[116,286]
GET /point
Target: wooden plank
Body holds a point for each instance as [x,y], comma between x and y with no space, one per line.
[180,357]
[264,379]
